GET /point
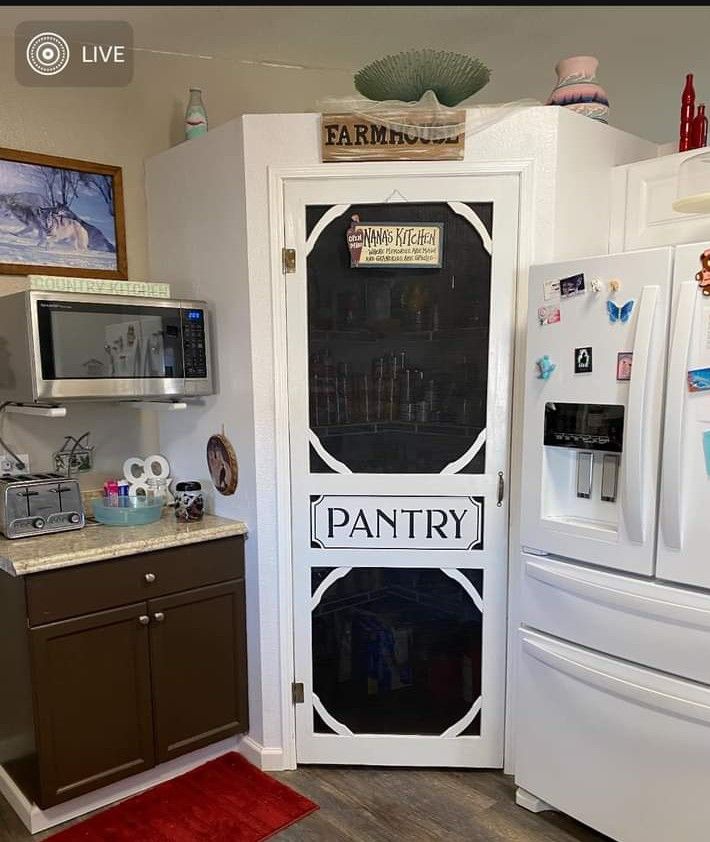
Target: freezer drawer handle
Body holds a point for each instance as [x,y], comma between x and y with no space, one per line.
[628,690]
[501,489]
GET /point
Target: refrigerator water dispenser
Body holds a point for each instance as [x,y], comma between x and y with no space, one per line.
[583,446]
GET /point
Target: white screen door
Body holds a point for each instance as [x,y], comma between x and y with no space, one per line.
[400,333]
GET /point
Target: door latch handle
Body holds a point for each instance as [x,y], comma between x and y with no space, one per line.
[501,489]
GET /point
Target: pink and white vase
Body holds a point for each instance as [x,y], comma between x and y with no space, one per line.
[578,90]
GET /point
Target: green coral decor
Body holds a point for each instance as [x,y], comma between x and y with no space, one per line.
[407,76]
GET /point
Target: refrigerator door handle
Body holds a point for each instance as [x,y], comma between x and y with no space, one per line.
[672,491]
[636,421]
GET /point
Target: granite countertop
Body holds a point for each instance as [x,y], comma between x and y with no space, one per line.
[23,556]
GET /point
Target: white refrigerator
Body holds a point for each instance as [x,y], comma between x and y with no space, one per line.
[613,678]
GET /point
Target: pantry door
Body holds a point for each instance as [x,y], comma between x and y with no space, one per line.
[400,334]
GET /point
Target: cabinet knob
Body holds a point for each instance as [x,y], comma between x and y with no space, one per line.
[144,619]
[150,578]
[159,617]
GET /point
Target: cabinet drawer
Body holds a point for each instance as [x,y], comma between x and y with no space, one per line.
[87,588]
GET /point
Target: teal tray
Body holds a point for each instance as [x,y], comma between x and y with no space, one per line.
[127,511]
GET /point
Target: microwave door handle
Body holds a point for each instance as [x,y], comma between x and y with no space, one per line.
[636,421]
[672,490]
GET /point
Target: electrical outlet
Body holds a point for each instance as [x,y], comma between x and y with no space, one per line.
[9,466]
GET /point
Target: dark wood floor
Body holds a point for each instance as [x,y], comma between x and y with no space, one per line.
[388,805]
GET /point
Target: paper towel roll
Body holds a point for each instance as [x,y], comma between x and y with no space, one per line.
[157,466]
[139,489]
[132,475]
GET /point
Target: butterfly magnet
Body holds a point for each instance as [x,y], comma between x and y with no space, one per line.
[619,314]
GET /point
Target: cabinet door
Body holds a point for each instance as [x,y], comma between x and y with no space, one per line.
[198,656]
[643,215]
[92,700]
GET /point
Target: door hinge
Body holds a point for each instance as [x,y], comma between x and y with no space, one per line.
[297,692]
[288,261]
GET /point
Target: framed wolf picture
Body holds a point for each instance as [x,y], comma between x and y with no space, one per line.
[59,216]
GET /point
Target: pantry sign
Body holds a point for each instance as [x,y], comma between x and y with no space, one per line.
[357,522]
[395,245]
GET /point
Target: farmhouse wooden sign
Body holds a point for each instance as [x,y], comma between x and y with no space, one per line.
[395,244]
[351,137]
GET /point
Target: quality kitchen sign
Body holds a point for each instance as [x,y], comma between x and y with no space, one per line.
[354,522]
[395,244]
[431,137]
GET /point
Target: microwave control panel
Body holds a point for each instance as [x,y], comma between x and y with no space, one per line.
[193,343]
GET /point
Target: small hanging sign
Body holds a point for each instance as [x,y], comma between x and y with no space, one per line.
[410,245]
[222,464]
[352,137]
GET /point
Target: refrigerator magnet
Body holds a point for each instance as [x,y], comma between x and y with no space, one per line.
[703,276]
[619,314]
[548,315]
[614,286]
[545,367]
[551,290]
[596,285]
[583,360]
[706,449]
[624,361]
[574,285]
[699,380]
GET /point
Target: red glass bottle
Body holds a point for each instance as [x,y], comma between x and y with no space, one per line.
[687,113]
[700,129]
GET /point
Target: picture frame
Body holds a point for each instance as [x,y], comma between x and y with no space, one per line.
[61,216]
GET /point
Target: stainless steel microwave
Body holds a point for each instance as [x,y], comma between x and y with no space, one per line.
[62,346]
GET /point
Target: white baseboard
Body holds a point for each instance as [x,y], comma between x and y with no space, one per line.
[263,757]
[36,819]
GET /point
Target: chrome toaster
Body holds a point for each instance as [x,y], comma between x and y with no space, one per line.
[36,504]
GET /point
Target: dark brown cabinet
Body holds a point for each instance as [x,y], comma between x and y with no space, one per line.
[122,687]
[197,651]
[93,701]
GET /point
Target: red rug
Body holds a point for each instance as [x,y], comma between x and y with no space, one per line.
[226,800]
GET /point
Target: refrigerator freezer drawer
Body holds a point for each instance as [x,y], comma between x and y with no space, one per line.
[621,748]
[660,626]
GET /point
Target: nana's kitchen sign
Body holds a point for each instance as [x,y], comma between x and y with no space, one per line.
[354,522]
[394,137]
[395,244]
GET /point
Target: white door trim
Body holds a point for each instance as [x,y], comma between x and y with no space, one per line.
[277,177]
